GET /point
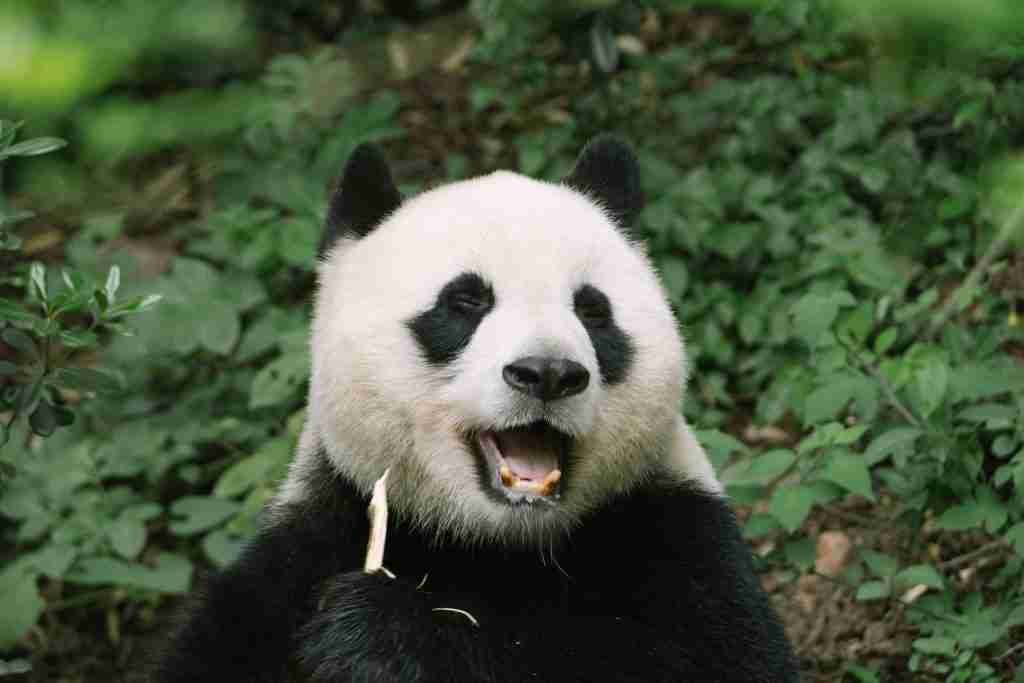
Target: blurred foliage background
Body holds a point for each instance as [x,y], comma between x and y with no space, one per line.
[836,196]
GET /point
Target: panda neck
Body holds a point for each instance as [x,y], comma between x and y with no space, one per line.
[331,500]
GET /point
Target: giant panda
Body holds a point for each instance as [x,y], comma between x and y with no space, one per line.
[505,350]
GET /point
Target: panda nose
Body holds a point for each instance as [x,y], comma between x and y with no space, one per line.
[546,378]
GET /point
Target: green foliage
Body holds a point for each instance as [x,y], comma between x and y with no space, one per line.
[45,332]
[840,238]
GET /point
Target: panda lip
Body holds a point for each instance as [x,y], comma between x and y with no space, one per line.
[525,462]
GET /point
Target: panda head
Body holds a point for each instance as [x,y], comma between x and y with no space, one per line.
[500,344]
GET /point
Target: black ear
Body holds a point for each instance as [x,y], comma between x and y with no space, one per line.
[363,198]
[607,171]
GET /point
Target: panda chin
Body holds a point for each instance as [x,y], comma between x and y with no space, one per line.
[524,464]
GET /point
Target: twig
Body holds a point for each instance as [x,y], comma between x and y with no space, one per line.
[378,513]
[973,555]
[456,610]
[1016,648]
[889,392]
[891,599]
[1013,222]
[851,517]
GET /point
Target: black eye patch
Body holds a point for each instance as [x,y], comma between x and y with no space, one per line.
[444,330]
[613,347]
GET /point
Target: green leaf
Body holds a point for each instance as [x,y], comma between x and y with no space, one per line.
[814,314]
[201,513]
[759,525]
[299,238]
[850,472]
[86,379]
[218,326]
[127,536]
[20,342]
[256,469]
[135,305]
[988,412]
[142,512]
[861,673]
[931,377]
[880,564]
[78,339]
[885,340]
[43,420]
[936,646]
[892,441]
[602,45]
[11,667]
[37,274]
[791,505]
[920,574]
[280,380]
[1004,446]
[53,559]
[675,276]
[826,401]
[33,147]
[73,280]
[850,435]
[22,605]
[873,590]
[973,381]
[800,553]
[113,282]
[761,469]
[1015,535]
[12,311]
[961,517]
[222,547]
[172,573]
[719,445]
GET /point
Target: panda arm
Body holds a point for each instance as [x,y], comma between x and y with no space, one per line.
[661,587]
[666,589]
[243,624]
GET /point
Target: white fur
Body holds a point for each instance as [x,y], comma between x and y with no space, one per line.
[374,402]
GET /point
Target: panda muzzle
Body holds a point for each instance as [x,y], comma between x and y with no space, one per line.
[526,459]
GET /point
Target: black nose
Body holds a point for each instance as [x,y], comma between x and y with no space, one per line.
[546,378]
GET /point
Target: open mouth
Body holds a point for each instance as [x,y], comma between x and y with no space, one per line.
[525,463]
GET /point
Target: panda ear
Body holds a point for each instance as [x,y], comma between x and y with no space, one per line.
[607,171]
[365,196]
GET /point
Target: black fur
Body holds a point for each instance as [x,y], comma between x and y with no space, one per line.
[364,197]
[447,328]
[657,585]
[612,345]
[607,171]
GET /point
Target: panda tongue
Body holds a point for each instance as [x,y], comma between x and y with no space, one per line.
[528,454]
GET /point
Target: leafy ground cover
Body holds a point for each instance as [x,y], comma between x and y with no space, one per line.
[835,208]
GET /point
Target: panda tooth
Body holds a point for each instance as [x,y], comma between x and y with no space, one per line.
[508,477]
[547,487]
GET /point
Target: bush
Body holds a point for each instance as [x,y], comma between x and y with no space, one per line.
[838,227]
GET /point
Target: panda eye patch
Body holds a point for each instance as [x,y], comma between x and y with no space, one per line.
[470,303]
[468,293]
[446,328]
[592,306]
[612,345]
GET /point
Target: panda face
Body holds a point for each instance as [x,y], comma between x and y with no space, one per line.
[503,348]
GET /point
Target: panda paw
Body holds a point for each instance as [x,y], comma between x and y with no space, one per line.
[373,627]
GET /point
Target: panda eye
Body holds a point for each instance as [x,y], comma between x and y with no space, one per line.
[470,303]
[592,307]
[593,314]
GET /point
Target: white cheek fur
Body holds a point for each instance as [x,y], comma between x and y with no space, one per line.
[374,403]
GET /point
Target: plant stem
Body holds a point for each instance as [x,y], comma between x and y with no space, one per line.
[1013,222]
[975,554]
